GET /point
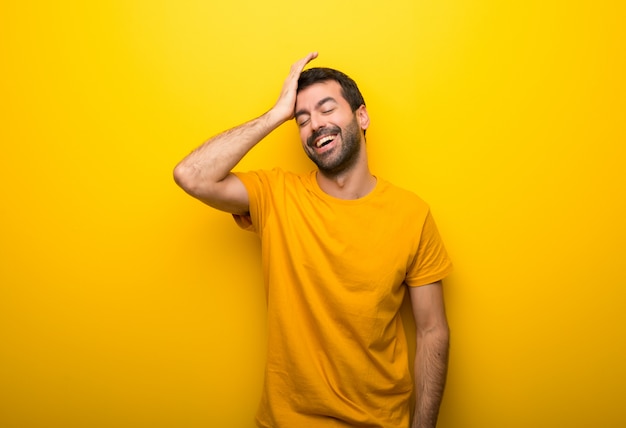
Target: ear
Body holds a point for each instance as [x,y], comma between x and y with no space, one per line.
[363,117]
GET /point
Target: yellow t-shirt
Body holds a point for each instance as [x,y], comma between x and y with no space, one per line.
[335,273]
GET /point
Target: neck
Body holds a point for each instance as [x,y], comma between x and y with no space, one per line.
[354,183]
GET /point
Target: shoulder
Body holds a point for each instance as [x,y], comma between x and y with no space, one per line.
[273,181]
[402,198]
[271,175]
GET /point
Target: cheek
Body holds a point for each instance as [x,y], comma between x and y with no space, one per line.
[304,135]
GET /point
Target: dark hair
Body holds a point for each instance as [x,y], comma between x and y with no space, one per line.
[349,89]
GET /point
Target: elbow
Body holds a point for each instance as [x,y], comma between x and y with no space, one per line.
[443,331]
[438,331]
[181,176]
[187,179]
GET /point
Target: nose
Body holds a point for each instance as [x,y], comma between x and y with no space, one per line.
[316,122]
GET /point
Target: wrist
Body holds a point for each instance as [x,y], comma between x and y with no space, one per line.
[277,116]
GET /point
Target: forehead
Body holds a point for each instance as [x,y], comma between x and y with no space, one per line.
[309,97]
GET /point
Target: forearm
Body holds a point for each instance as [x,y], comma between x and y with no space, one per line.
[204,173]
[431,367]
[212,162]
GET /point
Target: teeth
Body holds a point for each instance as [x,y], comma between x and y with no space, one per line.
[324,140]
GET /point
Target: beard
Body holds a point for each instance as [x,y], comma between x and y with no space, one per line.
[341,158]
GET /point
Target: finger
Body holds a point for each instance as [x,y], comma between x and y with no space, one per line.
[310,57]
[299,66]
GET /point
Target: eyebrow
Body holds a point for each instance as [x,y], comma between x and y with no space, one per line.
[318,105]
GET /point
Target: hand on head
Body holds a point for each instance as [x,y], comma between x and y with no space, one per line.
[287,100]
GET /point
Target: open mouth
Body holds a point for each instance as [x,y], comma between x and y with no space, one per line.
[324,141]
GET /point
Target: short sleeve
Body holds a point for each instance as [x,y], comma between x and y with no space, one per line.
[257,184]
[431,262]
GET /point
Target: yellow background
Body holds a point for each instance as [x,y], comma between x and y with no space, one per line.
[125,303]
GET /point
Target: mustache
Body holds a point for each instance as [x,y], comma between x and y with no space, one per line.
[321,132]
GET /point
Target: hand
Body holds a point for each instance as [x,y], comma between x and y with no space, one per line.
[286,104]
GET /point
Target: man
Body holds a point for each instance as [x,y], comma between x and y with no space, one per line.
[340,247]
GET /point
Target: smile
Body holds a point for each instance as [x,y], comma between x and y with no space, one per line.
[324,140]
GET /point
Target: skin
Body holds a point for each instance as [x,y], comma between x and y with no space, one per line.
[343,172]
[431,357]
[332,148]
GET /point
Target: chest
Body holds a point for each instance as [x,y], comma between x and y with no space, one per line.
[355,255]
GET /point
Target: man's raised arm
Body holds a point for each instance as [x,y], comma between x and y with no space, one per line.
[206,172]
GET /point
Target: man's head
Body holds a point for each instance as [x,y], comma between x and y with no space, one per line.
[332,119]
[349,89]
